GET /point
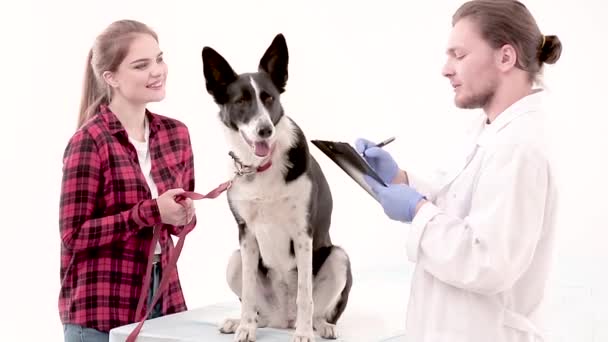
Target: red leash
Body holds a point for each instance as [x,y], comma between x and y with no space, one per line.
[170,265]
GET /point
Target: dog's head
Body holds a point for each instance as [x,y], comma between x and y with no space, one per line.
[249,103]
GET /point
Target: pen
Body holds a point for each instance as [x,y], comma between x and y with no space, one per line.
[385,142]
[382,144]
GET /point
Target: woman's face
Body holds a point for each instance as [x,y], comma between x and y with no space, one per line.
[141,76]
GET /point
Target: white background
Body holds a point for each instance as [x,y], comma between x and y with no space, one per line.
[355,70]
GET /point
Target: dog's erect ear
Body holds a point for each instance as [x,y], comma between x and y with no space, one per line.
[218,74]
[275,61]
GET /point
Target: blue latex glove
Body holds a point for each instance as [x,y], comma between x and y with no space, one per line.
[398,200]
[380,160]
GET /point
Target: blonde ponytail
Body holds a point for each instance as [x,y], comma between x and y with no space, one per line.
[92,93]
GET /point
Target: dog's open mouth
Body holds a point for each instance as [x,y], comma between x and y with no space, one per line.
[261,148]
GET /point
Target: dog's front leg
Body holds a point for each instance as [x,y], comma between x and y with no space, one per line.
[250,255]
[304,328]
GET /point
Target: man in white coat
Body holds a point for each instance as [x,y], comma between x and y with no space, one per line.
[482,228]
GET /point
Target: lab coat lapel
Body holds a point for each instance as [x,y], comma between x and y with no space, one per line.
[462,156]
[482,135]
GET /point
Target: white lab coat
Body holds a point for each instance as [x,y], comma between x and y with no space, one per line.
[483,247]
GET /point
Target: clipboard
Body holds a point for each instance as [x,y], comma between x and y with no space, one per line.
[350,161]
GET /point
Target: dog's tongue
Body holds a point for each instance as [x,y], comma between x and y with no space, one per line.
[262,149]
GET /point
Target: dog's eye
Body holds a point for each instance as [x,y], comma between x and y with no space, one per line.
[239,101]
[267,99]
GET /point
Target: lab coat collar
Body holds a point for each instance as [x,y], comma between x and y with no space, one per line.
[527,104]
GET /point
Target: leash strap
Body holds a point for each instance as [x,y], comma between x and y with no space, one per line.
[169,267]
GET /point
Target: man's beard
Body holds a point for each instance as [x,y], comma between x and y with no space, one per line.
[479,100]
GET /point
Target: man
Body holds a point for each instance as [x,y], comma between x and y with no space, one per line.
[482,229]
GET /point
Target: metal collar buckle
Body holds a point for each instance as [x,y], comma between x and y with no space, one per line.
[241,170]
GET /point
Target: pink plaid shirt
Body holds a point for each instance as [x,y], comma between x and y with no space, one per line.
[107,214]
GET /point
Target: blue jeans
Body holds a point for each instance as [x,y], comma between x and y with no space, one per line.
[78,333]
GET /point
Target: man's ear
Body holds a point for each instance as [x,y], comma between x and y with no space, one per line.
[506,57]
[108,77]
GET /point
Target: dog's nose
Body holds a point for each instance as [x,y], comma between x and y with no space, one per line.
[265,131]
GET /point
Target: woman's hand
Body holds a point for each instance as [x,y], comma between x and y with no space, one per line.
[173,212]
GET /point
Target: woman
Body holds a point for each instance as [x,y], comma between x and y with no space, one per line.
[122,172]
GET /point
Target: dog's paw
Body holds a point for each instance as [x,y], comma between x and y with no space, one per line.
[245,332]
[326,330]
[229,326]
[303,336]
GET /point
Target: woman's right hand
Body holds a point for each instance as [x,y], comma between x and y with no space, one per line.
[380,160]
[171,211]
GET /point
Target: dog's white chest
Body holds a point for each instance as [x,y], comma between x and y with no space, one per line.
[276,214]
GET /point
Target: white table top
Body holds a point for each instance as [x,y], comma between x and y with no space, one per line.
[375,312]
[202,324]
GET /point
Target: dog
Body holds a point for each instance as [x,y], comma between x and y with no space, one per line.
[286,273]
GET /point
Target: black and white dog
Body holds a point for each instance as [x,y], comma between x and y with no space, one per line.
[287,273]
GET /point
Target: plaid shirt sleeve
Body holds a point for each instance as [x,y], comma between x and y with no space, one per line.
[80,190]
[187,181]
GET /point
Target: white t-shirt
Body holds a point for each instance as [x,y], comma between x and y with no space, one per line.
[143,154]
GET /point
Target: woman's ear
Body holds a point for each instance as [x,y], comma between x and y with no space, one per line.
[109,78]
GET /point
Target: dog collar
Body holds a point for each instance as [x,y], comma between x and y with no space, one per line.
[265,166]
[242,169]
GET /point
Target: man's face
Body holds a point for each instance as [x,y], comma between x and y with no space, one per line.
[471,66]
